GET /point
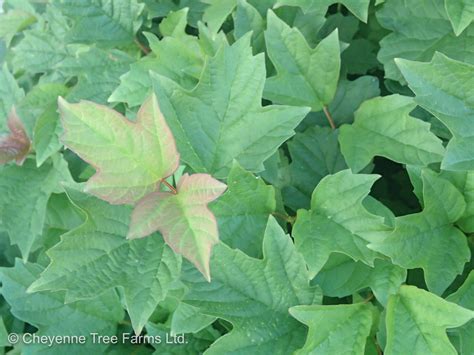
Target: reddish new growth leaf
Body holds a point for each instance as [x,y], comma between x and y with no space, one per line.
[131,158]
[16,145]
[184,220]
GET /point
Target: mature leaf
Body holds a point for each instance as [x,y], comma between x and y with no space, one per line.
[16,145]
[337,221]
[445,88]
[242,212]
[102,21]
[338,329]
[96,256]
[417,320]
[460,13]
[131,158]
[359,8]
[342,276]
[222,119]
[383,127]
[255,295]
[305,76]
[25,192]
[14,21]
[177,56]
[49,313]
[314,154]
[428,239]
[464,297]
[47,125]
[10,94]
[3,334]
[246,18]
[420,29]
[183,218]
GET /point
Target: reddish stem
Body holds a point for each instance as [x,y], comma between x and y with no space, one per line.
[142,47]
[169,186]
[329,117]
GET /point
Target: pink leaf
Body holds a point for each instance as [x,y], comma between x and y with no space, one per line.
[16,145]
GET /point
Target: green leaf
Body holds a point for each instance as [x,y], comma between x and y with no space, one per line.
[242,212]
[417,320]
[10,94]
[49,313]
[305,76]
[188,319]
[131,158]
[47,127]
[183,218]
[342,277]
[232,122]
[383,127]
[336,329]
[359,8]
[255,295]
[428,239]
[337,221]
[460,13]
[3,334]
[464,297]
[13,22]
[314,154]
[25,192]
[444,87]
[420,29]
[102,21]
[177,56]
[247,18]
[104,258]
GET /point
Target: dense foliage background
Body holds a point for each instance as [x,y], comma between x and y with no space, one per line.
[344,132]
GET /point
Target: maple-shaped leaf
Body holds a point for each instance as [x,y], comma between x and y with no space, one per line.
[383,127]
[305,76]
[416,322]
[16,145]
[428,239]
[131,158]
[255,295]
[222,118]
[337,329]
[96,256]
[445,88]
[183,218]
[337,221]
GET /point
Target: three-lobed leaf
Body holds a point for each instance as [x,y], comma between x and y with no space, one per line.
[131,158]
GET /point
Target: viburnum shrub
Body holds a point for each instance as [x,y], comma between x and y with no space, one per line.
[237,177]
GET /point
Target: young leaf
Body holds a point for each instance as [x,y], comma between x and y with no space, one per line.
[96,256]
[222,120]
[242,212]
[337,221]
[131,158]
[416,323]
[383,127]
[305,76]
[183,218]
[16,145]
[428,239]
[255,295]
[49,312]
[339,329]
[445,87]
